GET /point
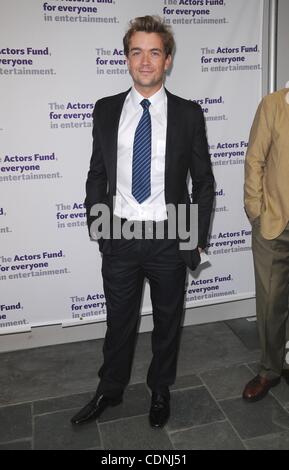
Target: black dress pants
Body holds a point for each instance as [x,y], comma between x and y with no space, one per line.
[124,270]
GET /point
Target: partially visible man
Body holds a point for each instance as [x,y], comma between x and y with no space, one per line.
[267,206]
[145,141]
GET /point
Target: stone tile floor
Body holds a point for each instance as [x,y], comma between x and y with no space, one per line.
[42,388]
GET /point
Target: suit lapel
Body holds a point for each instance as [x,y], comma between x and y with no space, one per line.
[111,131]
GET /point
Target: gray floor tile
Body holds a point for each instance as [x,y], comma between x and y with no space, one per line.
[254,366]
[227,382]
[256,419]
[270,442]
[225,349]
[17,445]
[45,387]
[133,434]
[214,436]
[54,432]
[136,401]
[186,381]
[192,407]
[49,372]
[16,422]
[247,332]
[61,403]
[281,392]
[211,346]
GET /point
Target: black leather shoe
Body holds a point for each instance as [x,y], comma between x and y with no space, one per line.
[159,411]
[95,408]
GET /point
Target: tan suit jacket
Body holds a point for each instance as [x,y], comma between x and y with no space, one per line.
[267,165]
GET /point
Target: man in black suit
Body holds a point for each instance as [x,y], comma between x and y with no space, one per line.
[145,141]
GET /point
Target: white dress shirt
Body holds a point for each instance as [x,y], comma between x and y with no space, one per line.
[154,207]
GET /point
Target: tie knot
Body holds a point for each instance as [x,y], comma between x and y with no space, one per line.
[145,103]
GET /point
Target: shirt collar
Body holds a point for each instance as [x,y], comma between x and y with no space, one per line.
[157,99]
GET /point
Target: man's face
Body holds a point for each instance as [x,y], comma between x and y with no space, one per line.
[147,62]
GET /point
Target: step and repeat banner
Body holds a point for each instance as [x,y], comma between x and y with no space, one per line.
[56,59]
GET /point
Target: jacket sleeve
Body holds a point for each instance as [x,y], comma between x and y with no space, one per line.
[255,162]
[96,183]
[202,178]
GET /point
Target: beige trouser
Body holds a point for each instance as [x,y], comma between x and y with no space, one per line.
[271,262]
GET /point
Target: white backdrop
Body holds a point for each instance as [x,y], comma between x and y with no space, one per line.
[56,59]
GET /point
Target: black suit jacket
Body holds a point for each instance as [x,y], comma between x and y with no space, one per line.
[186,150]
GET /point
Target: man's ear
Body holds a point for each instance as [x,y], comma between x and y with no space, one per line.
[168,62]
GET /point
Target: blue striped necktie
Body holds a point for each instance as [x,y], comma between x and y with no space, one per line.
[141,160]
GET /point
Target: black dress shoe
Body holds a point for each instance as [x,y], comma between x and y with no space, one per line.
[95,408]
[159,411]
